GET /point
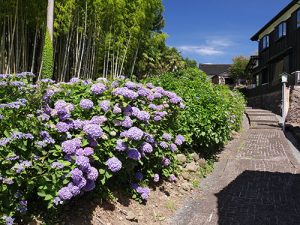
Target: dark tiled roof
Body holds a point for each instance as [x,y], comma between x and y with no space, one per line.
[214,69]
[255,36]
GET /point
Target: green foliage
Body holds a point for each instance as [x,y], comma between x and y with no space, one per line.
[238,68]
[190,63]
[211,113]
[48,61]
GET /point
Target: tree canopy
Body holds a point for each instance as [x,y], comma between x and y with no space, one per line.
[92,38]
[238,68]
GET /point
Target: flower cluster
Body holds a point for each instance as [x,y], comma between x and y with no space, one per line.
[111,129]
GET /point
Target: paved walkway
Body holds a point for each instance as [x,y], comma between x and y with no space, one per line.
[255,182]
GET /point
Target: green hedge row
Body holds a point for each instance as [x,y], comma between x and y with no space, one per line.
[212,111]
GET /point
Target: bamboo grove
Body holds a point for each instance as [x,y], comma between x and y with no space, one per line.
[92,38]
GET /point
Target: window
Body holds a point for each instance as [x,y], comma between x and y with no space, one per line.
[298,18]
[265,42]
[281,29]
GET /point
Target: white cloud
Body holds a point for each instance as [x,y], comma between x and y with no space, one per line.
[213,46]
[201,50]
[219,41]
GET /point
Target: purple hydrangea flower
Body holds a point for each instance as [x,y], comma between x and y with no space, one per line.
[114,164]
[81,183]
[115,84]
[98,88]
[135,111]
[150,85]
[121,145]
[117,109]
[77,124]
[176,100]
[62,127]
[133,153]
[179,140]
[157,95]
[43,117]
[74,80]
[93,130]
[157,118]
[144,192]
[167,137]
[130,85]
[69,147]
[57,201]
[93,143]
[73,189]
[143,116]
[163,144]
[92,174]
[8,220]
[105,105]
[83,162]
[62,107]
[139,176]
[152,106]
[166,162]
[128,110]
[173,147]
[76,175]
[79,151]
[172,178]
[86,104]
[126,92]
[147,148]
[127,123]
[134,133]
[98,120]
[150,97]
[161,114]
[144,92]
[8,181]
[65,194]
[150,138]
[88,151]
[156,178]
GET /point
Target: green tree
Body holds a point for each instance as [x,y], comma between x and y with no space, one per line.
[190,63]
[237,69]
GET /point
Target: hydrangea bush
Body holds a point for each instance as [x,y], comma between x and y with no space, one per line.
[59,141]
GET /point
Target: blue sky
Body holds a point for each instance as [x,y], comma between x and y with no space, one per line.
[214,31]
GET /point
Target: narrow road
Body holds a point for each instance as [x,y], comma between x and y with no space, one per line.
[255,182]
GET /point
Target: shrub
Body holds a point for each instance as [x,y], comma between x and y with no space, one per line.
[212,112]
[84,135]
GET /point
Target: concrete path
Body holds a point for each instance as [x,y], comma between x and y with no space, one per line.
[255,182]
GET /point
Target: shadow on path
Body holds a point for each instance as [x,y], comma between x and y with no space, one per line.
[260,198]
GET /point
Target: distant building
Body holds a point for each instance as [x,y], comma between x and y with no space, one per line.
[278,47]
[218,73]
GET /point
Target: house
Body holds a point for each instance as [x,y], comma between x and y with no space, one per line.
[278,53]
[218,73]
[278,48]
